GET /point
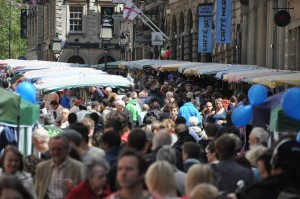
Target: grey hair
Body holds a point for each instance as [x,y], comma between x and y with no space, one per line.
[170,94]
[193,121]
[253,154]
[161,138]
[42,134]
[261,134]
[91,164]
[168,154]
[48,119]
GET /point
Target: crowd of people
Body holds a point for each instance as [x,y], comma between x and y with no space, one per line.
[168,139]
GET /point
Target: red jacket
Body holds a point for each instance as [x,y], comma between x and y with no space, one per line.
[84,191]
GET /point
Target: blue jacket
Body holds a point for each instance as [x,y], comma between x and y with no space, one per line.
[188,110]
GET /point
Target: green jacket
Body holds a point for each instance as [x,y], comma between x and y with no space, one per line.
[134,108]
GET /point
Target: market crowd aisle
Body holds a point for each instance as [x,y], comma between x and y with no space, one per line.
[182,144]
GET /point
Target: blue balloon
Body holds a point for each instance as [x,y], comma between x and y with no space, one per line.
[257,94]
[242,115]
[290,103]
[27,91]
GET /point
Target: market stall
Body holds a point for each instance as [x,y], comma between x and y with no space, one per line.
[146,63]
[21,114]
[292,78]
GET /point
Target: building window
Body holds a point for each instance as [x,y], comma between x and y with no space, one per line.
[75,19]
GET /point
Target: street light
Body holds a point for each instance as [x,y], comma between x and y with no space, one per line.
[106,36]
[123,44]
[56,46]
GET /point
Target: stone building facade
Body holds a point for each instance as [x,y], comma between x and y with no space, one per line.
[78,24]
[255,39]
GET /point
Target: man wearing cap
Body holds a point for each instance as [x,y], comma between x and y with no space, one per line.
[188,109]
[285,174]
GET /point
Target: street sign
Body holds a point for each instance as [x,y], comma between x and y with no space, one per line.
[157,39]
[109,46]
[118,1]
[142,37]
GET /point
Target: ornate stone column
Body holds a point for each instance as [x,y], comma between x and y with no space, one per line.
[252,31]
[261,34]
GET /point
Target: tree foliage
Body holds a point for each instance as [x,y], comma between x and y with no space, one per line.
[18,45]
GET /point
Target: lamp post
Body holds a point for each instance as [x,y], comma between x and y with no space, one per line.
[106,36]
[123,44]
[56,46]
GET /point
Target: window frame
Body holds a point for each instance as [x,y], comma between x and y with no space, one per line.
[83,18]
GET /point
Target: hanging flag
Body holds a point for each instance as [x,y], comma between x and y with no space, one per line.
[223,22]
[130,11]
[205,12]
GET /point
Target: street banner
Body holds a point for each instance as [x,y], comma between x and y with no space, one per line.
[223,22]
[23,23]
[205,13]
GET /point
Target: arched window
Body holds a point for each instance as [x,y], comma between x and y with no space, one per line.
[108,59]
[76,60]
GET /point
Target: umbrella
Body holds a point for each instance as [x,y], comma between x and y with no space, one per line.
[14,108]
[17,112]
[9,107]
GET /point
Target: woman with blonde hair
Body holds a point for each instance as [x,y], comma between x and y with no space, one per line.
[220,113]
[160,179]
[198,173]
[112,98]
[170,125]
[204,191]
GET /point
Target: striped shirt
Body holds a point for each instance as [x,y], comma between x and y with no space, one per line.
[55,188]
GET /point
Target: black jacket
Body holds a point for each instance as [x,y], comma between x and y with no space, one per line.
[271,187]
[229,172]
[184,137]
